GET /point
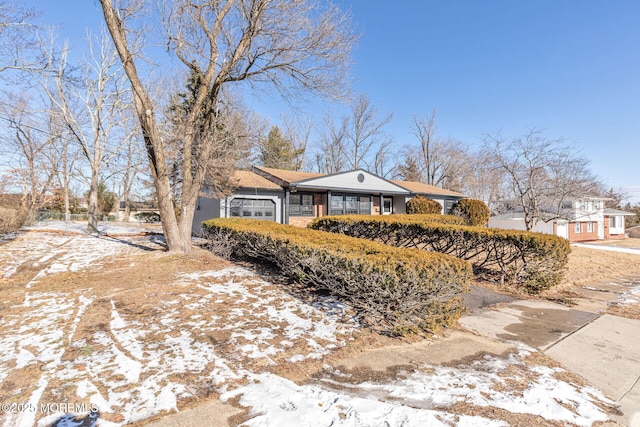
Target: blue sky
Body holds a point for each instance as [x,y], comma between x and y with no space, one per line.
[569,67]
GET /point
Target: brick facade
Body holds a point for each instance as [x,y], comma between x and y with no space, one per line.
[583,235]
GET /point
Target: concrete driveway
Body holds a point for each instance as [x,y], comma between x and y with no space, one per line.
[601,348]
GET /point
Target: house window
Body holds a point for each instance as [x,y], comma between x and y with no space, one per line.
[301,204]
[597,205]
[350,205]
[583,205]
[448,205]
[567,205]
[253,208]
[365,205]
[615,221]
[576,228]
[589,227]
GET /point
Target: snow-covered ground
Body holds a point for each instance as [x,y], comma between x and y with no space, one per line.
[104,227]
[134,367]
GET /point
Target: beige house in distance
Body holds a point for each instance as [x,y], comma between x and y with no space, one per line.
[297,198]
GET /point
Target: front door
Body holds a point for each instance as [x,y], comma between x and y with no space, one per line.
[387,206]
[601,230]
[562,230]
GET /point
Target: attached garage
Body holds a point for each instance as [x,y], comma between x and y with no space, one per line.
[252,208]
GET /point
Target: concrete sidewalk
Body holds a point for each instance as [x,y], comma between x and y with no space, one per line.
[602,349]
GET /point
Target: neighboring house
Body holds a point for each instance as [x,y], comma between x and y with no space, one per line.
[584,219]
[146,211]
[83,203]
[296,198]
[634,232]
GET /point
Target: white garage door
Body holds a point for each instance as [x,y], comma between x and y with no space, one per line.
[253,208]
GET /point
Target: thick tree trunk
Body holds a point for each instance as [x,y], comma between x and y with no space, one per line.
[175,241]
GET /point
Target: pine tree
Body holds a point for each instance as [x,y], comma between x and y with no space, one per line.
[279,152]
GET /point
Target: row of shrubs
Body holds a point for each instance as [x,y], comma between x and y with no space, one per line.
[470,211]
[533,261]
[395,290]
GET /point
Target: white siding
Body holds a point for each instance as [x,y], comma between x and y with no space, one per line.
[348,182]
[518,224]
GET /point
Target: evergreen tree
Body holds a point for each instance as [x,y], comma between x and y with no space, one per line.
[279,152]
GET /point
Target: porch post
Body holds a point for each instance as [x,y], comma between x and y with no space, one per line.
[381,205]
[328,202]
[287,192]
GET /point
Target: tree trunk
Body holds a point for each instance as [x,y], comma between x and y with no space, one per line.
[65,179]
[127,211]
[92,226]
[67,213]
[125,198]
[175,241]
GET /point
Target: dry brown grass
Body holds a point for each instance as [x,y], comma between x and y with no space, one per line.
[11,219]
[587,266]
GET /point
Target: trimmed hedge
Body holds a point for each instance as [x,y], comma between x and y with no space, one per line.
[475,212]
[437,218]
[533,261]
[395,290]
[421,205]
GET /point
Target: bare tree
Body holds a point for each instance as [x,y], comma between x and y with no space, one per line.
[364,134]
[67,155]
[30,136]
[131,165]
[484,182]
[18,38]
[330,156]
[92,108]
[385,162]
[441,163]
[540,173]
[298,47]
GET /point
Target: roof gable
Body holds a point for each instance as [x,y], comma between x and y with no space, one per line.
[352,181]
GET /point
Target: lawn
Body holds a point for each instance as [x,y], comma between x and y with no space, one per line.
[116,323]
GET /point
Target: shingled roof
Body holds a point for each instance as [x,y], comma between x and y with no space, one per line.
[420,188]
[248,179]
[285,177]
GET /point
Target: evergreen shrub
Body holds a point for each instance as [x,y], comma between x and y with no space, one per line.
[394,290]
[475,212]
[532,261]
[423,205]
